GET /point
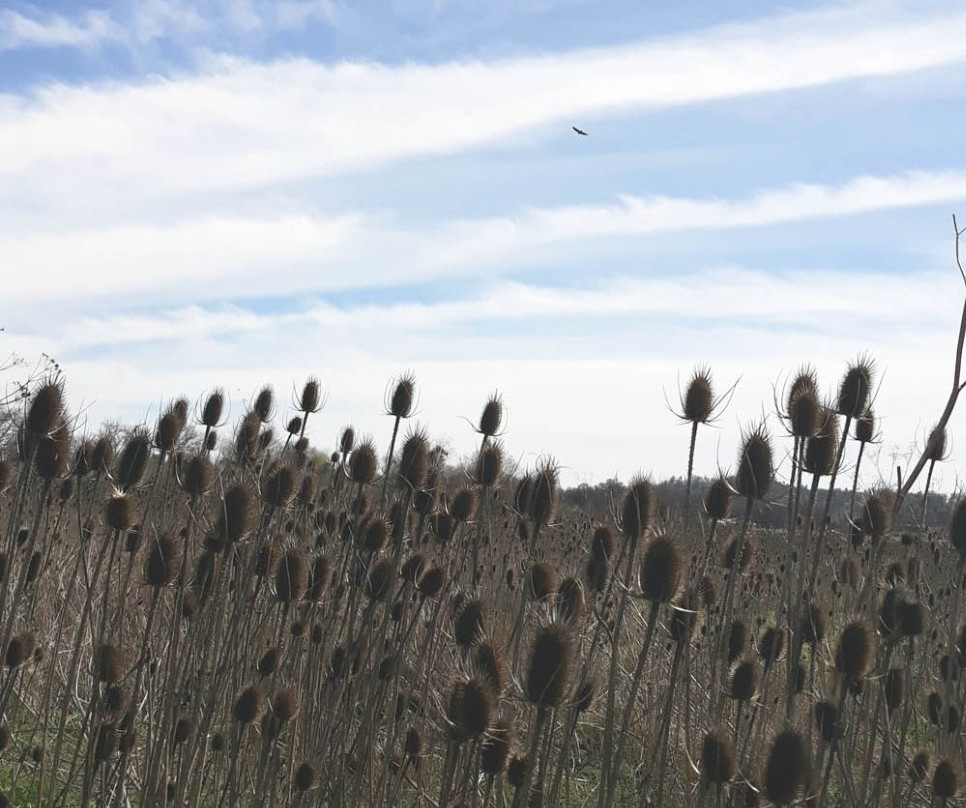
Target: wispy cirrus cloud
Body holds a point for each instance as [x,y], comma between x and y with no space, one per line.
[217,256]
[46,30]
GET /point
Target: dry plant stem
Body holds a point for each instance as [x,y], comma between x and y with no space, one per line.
[632,698]
[392,448]
[948,739]
[687,489]
[855,479]
[522,796]
[839,455]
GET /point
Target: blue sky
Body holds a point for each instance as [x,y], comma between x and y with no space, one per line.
[234,192]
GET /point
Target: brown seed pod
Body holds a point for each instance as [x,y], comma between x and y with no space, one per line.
[495,750]
[718,760]
[544,493]
[957,527]
[856,387]
[102,455]
[911,618]
[854,653]
[279,488]
[414,460]
[684,617]
[865,427]
[945,780]
[602,543]
[268,663]
[363,463]
[400,403]
[133,461]
[46,408]
[471,707]
[755,466]
[737,640]
[470,624]
[813,625]
[827,721]
[821,449]
[168,431]
[541,582]
[107,664]
[771,645]
[698,400]
[162,561]
[745,679]
[788,769]
[264,404]
[118,512]
[463,507]
[490,663]
[237,514]
[637,509]
[805,414]
[550,661]
[249,705]
[431,583]
[733,559]
[284,704]
[198,476]
[894,688]
[660,570]
[571,601]
[382,575]
[304,777]
[20,649]
[311,398]
[212,410]
[875,517]
[52,452]
[320,578]
[920,766]
[491,419]
[717,499]
[489,464]
[413,744]
[291,577]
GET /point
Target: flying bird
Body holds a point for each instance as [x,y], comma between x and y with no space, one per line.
[579,131]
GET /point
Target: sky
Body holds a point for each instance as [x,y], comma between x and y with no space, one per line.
[228,193]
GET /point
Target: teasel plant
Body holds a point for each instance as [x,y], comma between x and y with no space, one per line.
[697,405]
[400,403]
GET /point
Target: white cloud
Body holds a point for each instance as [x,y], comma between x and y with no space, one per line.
[219,257]
[89,30]
[240,124]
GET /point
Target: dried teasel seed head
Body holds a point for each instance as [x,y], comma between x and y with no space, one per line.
[280,487]
[698,400]
[813,624]
[910,618]
[660,571]
[118,512]
[470,624]
[431,583]
[291,577]
[363,463]
[755,466]
[305,776]
[771,645]
[162,561]
[107,664]
[875,517]
[637,509]
[717,499]
[213,408]
[718,760]
[584,698]
[284,704]
[544,493]
[821,449]
[541,582]
[400,402]
[496,747]
[489,464]
[855,388]
[311,399]
[945,780]
[737,557]
[198,476]
[52,453]
[737,640]
[788,769]
[249,705]
[571,601]
[413,744]
[133,461]
[379,582]
[491,419]
[414,459]
[827,721]
[268,663]
[805,414]
[920,766]
[20,649]
[490,663]
[744,680]
[551,659]
[602,543]
[854,653]
[463,506]
[237,515]
[46,408]
[264,404]
[471,708]
[168,431]
[935,450]
[894,688]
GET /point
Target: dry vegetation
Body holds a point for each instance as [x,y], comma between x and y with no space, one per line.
[194,621]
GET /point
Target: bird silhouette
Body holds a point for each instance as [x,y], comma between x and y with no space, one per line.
[579,131]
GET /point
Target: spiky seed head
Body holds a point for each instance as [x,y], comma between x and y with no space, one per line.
[237,514]
[541,582]
[400,403]
[83,461]
[755,467]
[718,760]
[268,663]
[489,464]
[935,450]
[875,518]
[602,543]
[805,414]
[250,705]
[491,419]
[495,750]
[107,664]
[920,766]
[522,494]
[684,617]
[168,431]
[660,571]
[463,506]
[910,618]
[771,645]
[304,777]
[279,489]
[431,582]
[550,661]
[821,450]
[471,708]
[744,680]
[738,557]
[470,624]
[517,770]
[198,476]
[291,577]
[854,653]
[637,508]
[571,600]
[264,404]
[865,427]
[414,567]
[805,381]
[213,408]
[945,780]
[894,688]
[363,463]
[413,744]
[284,704]
[596,573]
[380,579]
[698,397]
[544,493]
[717,499]
[827,721]
[737,640]
[311,398]
[162,561]
[856,387]
[102,455]
[374,535]
[46,408]
[788,769]
[119,512]
[52,453]
[20,649]
[133,461]
[414,459]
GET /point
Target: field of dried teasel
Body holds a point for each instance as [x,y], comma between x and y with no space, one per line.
[191,620]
